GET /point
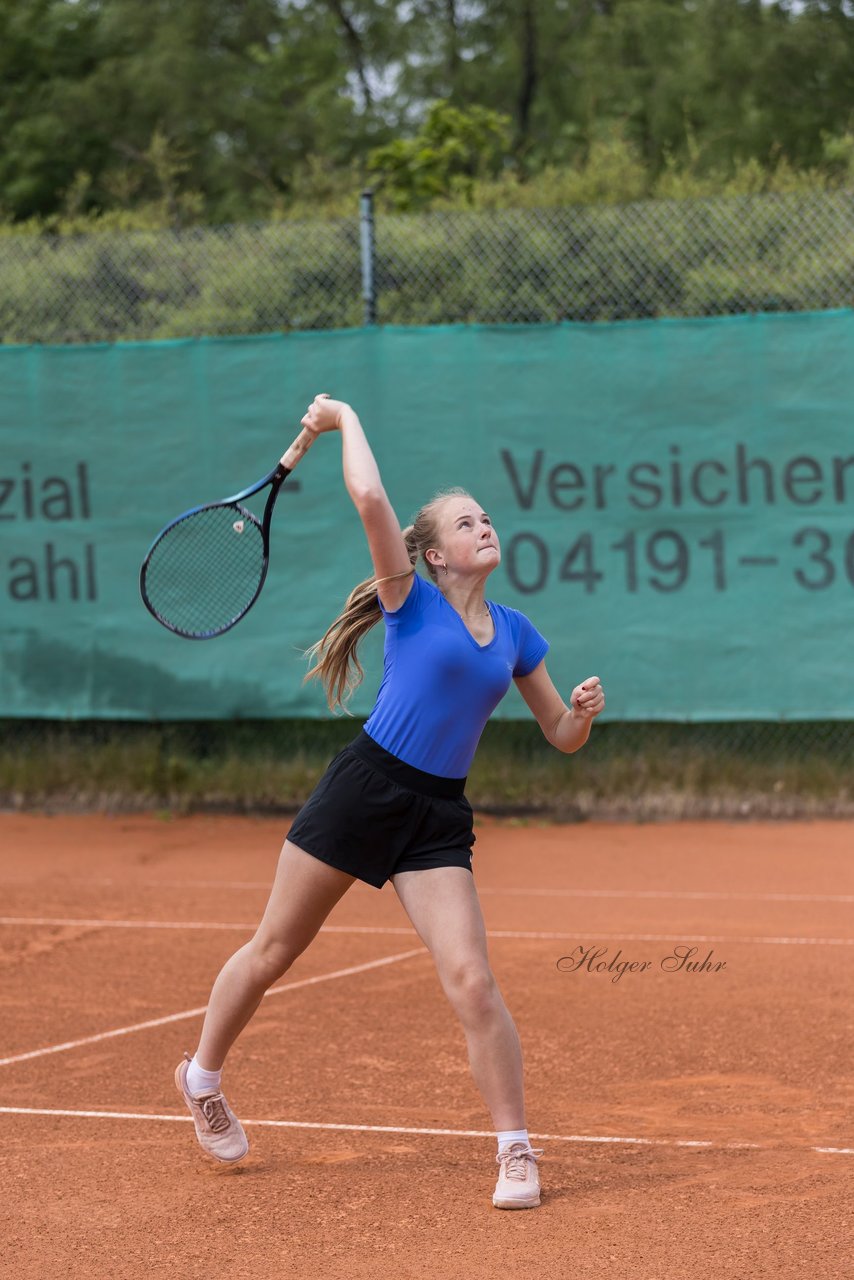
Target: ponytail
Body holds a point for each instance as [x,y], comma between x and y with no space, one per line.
[336,661]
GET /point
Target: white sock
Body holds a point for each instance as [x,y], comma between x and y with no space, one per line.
[512,1135]
[201,1081]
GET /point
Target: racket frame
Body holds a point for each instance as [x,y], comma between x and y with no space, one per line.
[274,479]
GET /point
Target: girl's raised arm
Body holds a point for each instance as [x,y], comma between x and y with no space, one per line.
[364,485]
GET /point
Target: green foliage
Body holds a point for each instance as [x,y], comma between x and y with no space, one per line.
[150,284]
[610,171]
[838,156]
[205,105]
[231,110]
[122,120]
[451,150]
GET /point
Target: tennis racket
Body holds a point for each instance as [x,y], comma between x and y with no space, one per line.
[205,570]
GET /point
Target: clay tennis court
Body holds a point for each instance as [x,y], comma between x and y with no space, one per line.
[694,1123]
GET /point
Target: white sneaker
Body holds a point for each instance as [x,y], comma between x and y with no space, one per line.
[518,1185]
[218,1129]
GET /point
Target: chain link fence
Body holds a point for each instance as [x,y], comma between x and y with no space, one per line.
[635,261]
[644,260]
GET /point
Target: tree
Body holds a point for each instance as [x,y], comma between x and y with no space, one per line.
[452,149]
[225,110]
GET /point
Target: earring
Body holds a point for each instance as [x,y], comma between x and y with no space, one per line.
[445,567]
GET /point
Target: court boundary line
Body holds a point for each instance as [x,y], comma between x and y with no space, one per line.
[603,1139]
[688,895]
[70,922]
[193,1013]
[701,895]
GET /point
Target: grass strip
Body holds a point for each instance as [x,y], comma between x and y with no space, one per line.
[626,771]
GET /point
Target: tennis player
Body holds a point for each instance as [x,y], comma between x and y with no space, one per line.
[391,805]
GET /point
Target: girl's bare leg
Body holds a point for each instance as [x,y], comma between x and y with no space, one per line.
[304,892]
[444,908]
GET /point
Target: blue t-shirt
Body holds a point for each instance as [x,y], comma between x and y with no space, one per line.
[439,686]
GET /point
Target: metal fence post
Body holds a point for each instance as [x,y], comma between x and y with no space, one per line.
[366,230]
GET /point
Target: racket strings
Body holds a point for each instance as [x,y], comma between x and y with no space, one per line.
[206,570]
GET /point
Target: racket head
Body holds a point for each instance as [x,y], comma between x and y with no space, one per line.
[205,570]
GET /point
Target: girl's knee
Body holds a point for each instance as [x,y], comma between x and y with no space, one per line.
[473,992]
[270,959]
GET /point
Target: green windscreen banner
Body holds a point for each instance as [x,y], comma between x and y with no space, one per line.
[674,499]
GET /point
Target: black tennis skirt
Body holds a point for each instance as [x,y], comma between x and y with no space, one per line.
[372,815]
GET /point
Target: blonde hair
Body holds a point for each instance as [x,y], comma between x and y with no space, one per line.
[336,661]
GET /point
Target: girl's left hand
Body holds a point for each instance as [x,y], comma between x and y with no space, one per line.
[588,698]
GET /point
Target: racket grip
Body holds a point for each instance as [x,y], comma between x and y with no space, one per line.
[298,449]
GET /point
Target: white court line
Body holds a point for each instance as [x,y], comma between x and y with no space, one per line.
[688,936]
[66,921]
[584,931]
[699,895]
[192,1013]
[450,1133]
